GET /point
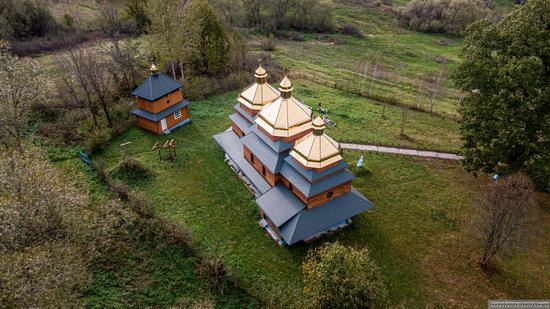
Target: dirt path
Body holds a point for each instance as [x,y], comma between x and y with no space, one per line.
[403,151]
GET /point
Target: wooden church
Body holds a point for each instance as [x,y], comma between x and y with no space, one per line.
[160,104]
[296,171]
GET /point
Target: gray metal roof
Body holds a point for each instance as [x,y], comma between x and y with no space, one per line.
[271,159]
[311,189]
[278,145]
[313,175]
[232,145]
[241,111]
[279,204]
[162,114]
[156,86]
[240,122]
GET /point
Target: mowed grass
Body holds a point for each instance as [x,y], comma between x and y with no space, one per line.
[363,120]
[416,232]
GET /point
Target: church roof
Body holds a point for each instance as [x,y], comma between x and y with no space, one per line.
[259,94]
[156,86]
[316,150]
[286,116]
[295,222]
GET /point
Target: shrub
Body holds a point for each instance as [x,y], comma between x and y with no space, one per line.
[119,188]
[295,36]
[132,170]
[97,141]
[214,270]
[21,20]
[337,276]
[350,29]
[450,16]
[49,275]
[268,44]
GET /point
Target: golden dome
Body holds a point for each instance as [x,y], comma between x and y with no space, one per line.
[260,72]
[316,150]
[259,94]
[285,117]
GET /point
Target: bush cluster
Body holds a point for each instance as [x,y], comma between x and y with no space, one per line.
[351,29]
[21,20]
[445,16]
[337,276]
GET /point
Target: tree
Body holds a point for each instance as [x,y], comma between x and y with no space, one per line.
[137,10]
[72,70]
[124,54]
[505,122]
[502,217]
[450,16]
[165,16]
[22,85]
[336,276]
[99,79]
[253,12]
[208,49]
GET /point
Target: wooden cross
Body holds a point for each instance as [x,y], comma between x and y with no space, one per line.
[157,148]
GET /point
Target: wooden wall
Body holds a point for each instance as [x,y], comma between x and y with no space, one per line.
[320,198]
[148,124]
[162,103]
[156,127]
[236,129]
[259,167]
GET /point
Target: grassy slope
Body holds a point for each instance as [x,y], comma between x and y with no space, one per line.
[415,233]
[146,272]
[405,55]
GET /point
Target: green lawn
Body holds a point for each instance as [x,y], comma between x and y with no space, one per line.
[415,232]
[360,120]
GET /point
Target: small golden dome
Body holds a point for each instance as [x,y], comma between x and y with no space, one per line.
[286,84]
[260,72]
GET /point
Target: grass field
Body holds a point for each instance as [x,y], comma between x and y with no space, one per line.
[404,58]
[144,272]
[360,120]
[416,232]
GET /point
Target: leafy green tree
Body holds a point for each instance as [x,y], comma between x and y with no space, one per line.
[207,48]
[505,121]
[336,276]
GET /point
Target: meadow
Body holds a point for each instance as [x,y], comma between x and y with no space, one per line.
[417,232]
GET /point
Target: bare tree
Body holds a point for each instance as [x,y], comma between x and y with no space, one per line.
[253,12]
[374,72]
[73,68]
[22,85]
[404,119]
[100,81]
[124,54]
[437,89]
[278,9]
[502,217]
